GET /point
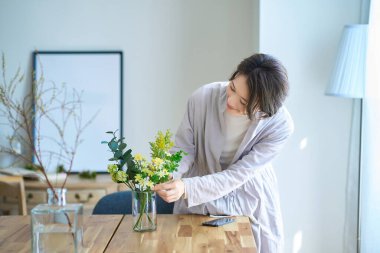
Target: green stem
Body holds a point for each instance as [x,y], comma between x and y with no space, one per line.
[143,200]
[147,214]
[142,206]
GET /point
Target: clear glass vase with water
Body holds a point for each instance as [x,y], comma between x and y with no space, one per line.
[144,211]
[57,226]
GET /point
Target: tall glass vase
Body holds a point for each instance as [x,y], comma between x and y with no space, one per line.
[57,226]
[144,211]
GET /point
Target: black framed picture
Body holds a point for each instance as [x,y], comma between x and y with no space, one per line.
[98,77]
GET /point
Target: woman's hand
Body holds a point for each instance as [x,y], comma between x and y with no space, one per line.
[170,191]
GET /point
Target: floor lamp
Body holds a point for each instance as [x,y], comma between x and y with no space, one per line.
[348,80]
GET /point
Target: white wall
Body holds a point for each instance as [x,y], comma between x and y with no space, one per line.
[305,34]
[170,48]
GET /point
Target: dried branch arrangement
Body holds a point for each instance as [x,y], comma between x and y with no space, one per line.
[24,117]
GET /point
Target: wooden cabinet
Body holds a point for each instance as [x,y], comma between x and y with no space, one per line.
[85,191]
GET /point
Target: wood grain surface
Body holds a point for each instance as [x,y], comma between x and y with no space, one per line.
[113,233]
[184,233]
[15,233]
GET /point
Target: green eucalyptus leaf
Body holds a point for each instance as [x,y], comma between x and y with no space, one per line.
[104,142]
[122,146]
[127,155]
[132,170]
[113,145]
[118,154]
[122,163]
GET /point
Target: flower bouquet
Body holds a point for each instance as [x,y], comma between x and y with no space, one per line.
[141,175]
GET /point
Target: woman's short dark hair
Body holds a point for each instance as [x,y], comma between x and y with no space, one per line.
[267,83]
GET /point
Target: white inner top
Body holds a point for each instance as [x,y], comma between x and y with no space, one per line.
[236,128]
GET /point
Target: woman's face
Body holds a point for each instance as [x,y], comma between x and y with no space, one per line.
[237,95]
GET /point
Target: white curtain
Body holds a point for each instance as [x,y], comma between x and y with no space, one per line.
[370,167]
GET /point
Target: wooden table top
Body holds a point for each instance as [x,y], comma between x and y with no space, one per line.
[113,233]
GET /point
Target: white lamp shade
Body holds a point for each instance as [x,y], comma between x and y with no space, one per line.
[348,77]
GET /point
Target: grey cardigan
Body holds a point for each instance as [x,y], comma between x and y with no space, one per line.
[248,186]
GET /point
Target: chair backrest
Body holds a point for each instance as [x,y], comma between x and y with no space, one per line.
[121,203]
[13,187]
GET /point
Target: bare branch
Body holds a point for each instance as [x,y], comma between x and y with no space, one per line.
[26,116]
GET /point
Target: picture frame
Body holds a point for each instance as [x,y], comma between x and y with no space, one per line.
[98,76]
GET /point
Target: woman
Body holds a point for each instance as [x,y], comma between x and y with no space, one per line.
[232,131]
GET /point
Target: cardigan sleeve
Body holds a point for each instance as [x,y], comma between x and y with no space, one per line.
[211,187]
[184,140]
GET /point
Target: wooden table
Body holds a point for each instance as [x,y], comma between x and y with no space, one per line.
[113,233]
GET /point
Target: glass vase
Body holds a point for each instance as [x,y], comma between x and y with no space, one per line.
[144,211]
[57,226]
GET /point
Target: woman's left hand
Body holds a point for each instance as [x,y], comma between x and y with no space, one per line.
[170,191]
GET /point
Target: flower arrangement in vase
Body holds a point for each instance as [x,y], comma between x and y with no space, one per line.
[141,175]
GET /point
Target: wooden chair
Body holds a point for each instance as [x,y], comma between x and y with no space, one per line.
[13,187]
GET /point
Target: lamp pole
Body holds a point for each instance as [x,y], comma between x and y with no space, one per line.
[358,241]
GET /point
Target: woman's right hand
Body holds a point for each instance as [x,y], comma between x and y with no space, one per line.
[170,191]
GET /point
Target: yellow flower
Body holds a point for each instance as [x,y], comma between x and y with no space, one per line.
[112,168]
[144,183]
[147,171]
[139,178]
[157,161]
[163,173]
[168,143]
[150,184]
[144,164]
[139,157]
[160,140]
[121,176]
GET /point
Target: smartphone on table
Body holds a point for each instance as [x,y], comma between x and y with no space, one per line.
[218,222]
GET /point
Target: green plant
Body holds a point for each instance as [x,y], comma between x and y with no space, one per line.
[87,174]
[32,167]
[61,169]
[121,158]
